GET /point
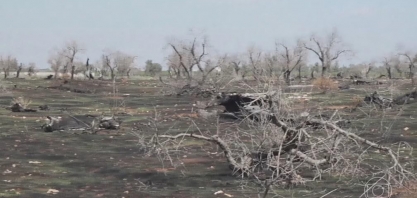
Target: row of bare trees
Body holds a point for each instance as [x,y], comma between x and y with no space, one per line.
[190,59]
[10,64]
[66,60]
[399,62]
[193,60]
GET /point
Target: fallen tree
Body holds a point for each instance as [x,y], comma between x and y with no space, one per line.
[406,98]
[384,102]
[291,145]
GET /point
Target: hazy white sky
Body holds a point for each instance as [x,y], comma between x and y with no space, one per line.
[30,29]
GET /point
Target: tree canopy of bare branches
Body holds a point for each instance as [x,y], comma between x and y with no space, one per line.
[31,69]
[390,63]
[69,53]
[290,58]
[56,62]
[190,56]
[8,64]
[117,62]
[411,62]
[255,62]
[327,50]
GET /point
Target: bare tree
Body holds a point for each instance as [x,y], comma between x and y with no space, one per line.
[290,58]
[233,67]
[114,61]
[301,65]
[314,68]
[70,51]
[255,62]
[327,50]
[188,56]
[410,61]
[19,69]
[272,65]
[8,64]
[368,68]
[102,68]
[390,63]
[31,69]
[174,67]
[56,62]
[125,69]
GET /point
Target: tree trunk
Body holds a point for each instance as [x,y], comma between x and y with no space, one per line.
[367,73]
[72,72]
[323,70]
[5,74]
[112,74]
[299,73]
[312,74]
[287,75]
[411,75]
[19,69]
[128,73]
[389,72]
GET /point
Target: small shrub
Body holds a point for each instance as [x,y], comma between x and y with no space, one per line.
[325,84]
[124,81]
[66,76]
[357,101]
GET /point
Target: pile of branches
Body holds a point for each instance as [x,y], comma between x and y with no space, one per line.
[378,100]
[18,107]
[90,123]
[285,146]
[189,89]
[74,90]
[198,91]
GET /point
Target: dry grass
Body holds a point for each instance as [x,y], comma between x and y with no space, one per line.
[325,84]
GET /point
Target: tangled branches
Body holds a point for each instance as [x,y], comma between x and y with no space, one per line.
[276,145]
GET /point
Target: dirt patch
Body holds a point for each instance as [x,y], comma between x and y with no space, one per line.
[409,191]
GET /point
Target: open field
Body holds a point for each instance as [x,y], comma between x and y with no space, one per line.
[113,164]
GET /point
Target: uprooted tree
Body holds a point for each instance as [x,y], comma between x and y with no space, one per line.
[287,145]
